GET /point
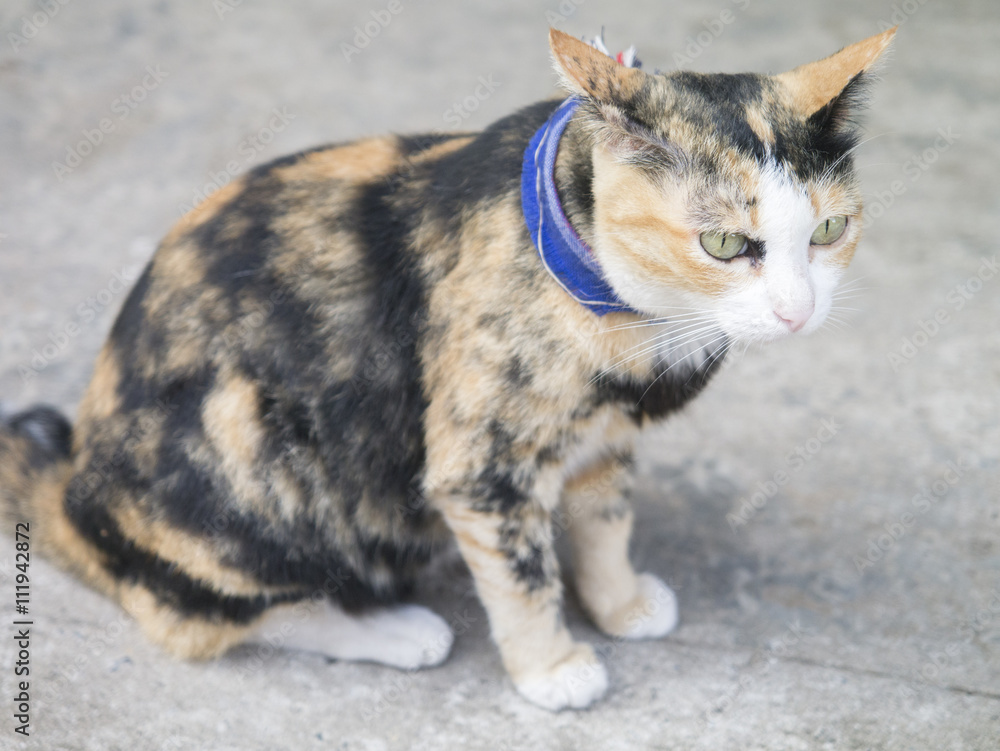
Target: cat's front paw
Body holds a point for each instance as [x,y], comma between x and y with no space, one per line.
[573,683]
[650,614]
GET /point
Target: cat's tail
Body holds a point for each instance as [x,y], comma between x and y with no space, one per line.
[35,467]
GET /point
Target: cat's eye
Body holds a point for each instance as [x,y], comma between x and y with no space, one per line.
[724,245]
[829,231]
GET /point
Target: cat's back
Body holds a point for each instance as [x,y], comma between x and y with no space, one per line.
[301,258]
[297,251]
[298,295]
[270,346]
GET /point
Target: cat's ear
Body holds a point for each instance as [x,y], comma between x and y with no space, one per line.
[588,72]
[610,92]
[828,88]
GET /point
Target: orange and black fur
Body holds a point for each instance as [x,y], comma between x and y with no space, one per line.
[351,356]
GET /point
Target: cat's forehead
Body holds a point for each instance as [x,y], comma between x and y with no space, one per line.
[718,119]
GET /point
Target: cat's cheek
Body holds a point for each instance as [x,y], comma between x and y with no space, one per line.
[637,287]
[825,278]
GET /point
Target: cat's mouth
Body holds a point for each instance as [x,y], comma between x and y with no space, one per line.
[776,324]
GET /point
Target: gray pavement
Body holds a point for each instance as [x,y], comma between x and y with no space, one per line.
[829,511]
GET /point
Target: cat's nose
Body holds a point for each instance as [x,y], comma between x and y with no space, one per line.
[795,317]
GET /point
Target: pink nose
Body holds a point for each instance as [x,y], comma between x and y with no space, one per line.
[795,318]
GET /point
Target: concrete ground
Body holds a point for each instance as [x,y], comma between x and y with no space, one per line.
[828,511]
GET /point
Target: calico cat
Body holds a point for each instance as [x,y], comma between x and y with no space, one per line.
[351,356]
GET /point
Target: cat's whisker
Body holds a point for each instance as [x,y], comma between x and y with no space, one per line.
[665,357]
[674,364]
[706,345]
[853,281]
[658,322]
[675,345]
[668,317]
[849,290]
[829,170]
[849,295]
[875,164]
[718,354]
[852,289]
[686,326]
[844,312]
[673,340]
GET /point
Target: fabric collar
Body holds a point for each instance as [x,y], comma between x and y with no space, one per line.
[567,258]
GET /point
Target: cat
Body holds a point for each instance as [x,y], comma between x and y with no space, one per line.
[340,363]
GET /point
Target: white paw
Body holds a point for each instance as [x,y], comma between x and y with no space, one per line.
[575,683]
[653,613]
[406,636]
[409,637]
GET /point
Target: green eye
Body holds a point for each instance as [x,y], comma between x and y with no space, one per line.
[829,232]
[723,245]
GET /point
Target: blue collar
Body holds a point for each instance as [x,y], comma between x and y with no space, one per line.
[567,258]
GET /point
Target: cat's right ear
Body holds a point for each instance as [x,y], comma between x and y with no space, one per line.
[611,91]
[588,72]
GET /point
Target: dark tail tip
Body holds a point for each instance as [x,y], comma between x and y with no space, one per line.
[46,427]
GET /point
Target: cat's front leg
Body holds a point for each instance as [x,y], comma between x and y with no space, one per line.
[620,602]
[514,565]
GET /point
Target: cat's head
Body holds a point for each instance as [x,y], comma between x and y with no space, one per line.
[732,194]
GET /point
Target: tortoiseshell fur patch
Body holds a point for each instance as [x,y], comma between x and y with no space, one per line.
[352,355]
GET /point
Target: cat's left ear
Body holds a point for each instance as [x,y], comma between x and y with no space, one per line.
[823,88]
